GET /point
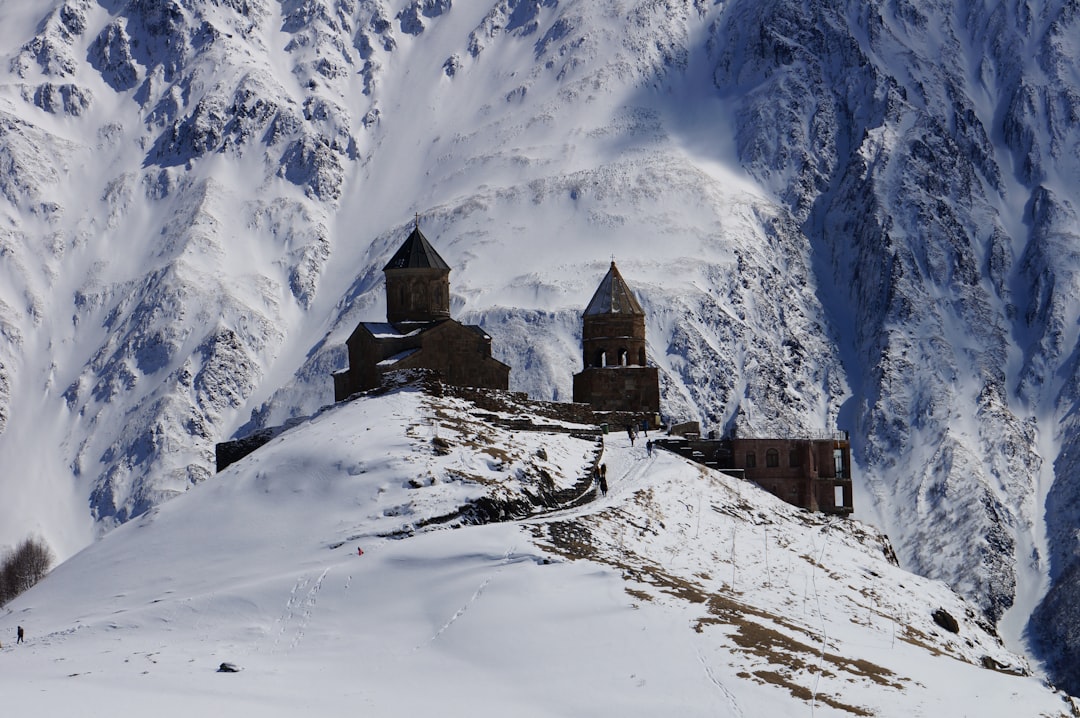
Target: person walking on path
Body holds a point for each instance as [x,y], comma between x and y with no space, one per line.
[18,634]
[630,433]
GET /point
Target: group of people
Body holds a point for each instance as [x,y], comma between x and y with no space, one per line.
[600,478]
[632,431]
[600,472]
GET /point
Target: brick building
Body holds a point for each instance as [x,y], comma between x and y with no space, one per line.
[615,377]
[813,473]
[418,332]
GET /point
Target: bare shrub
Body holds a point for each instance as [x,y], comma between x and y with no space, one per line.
[24,566]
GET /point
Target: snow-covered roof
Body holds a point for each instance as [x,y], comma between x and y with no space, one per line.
[386,330]
[391,360]
[613,296]
[477,329]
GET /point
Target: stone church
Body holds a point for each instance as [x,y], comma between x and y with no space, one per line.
[615,377]
[418,332]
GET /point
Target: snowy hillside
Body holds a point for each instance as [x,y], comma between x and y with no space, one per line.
[836,214]
[682,592]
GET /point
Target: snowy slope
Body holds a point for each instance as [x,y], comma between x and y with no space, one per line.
[844,214]
[680,592]
[236,258]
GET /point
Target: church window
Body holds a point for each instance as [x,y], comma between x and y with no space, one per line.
[772,458]
[751,459]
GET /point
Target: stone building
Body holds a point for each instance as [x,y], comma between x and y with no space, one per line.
[615,377]
[418,332]
[813,473]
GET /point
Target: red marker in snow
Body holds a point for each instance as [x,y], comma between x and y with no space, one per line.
[359,551]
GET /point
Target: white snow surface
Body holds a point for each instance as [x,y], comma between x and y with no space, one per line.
[837,215]
[682,592]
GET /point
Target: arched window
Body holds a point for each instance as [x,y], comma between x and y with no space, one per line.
[772,458]
[751,460]
[794,458]
[601,358]
[622,357]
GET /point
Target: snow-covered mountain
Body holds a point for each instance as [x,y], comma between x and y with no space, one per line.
[681,591]
[845,213]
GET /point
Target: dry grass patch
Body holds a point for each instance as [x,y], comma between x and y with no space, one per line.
[755,633]
[803,693]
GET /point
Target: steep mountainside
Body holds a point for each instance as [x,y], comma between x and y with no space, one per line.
[845,213]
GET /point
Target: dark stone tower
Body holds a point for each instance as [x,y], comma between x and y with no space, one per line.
[417,282]
[613,326]
[615,377]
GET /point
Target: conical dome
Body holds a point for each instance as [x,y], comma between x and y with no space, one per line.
[613,296]
[416,253]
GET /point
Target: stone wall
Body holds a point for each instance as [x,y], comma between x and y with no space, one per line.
[633,389]
[460,355]
[417,295]
[612,335]
[508,402]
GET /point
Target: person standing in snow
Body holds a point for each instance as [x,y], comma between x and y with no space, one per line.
[630,433]
[603,485]
[18,634]
[648,448]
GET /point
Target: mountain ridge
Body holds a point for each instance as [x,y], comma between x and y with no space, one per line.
[827,209]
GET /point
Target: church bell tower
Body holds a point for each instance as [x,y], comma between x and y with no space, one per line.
[417,282]
[615,377]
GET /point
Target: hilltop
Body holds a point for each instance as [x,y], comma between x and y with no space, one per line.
[683,591]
